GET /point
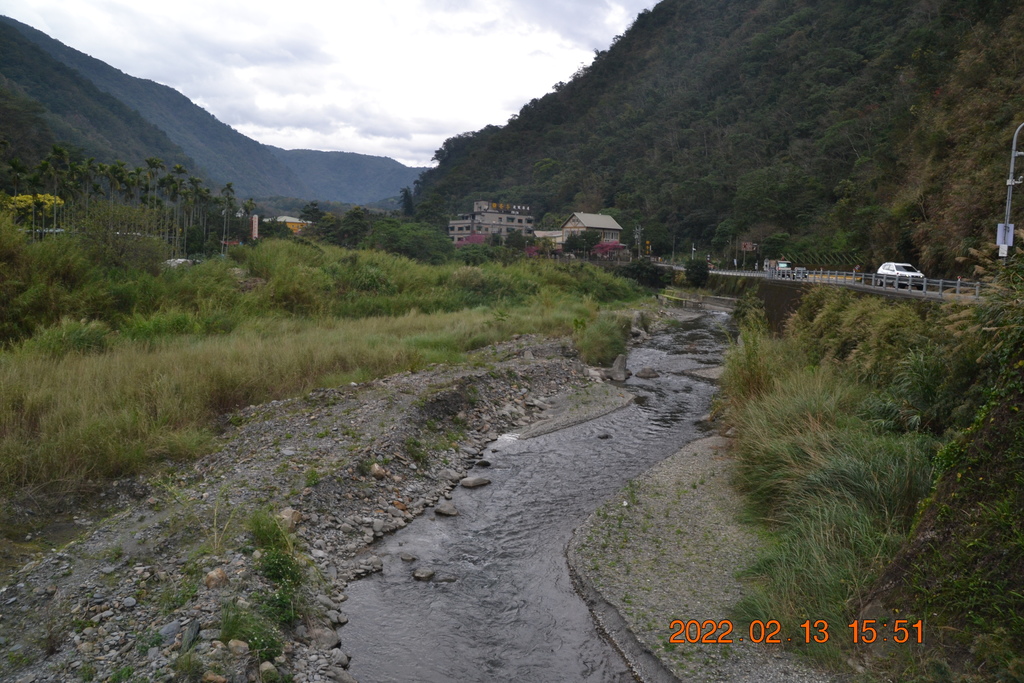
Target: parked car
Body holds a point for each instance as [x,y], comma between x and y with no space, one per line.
[899,275]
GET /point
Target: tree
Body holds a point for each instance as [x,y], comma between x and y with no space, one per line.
[697,272]
[515,240]
[355,226]
[408,208]
[582,242]
[311,212]
[227,194]
[17,172]
[415,240]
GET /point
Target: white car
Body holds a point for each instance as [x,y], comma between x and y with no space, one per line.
[899,275]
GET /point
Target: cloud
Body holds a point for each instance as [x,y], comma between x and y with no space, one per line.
[396,76]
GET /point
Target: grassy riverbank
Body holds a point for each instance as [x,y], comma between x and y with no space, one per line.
[845,424]
[837,422]
[107,372]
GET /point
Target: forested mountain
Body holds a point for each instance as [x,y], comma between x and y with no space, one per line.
[43,102]
[221,153]
[361,176]
[871,127]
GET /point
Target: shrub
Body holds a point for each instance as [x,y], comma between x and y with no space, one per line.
[280,567]
[281,606]
[601,340]
[70,336]
[238,623]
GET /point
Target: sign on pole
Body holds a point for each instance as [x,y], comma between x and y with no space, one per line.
[1004,235]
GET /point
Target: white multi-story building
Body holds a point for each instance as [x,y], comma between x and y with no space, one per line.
[491,218]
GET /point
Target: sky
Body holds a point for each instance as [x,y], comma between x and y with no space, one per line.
[390,78]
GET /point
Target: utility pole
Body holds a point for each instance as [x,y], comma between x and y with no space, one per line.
[639,235]
[1004,231]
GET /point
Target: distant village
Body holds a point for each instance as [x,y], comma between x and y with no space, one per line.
[493,222]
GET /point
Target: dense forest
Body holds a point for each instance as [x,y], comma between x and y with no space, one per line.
[830,131]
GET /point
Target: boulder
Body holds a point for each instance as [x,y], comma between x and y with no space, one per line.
[619,372]
[447,509]
[289,519]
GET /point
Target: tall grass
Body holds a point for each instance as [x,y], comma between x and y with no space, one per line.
[106,371]
[836,494]
[98,415]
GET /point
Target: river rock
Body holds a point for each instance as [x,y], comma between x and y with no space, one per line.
[446,508]
[289,519]
[340,675]
[238,647]
[218,578]
[268,670]
[474,482]
[423,574]
[619,373]
[449,475]
[325,638]
[340,658]
[170,630]
[647,373]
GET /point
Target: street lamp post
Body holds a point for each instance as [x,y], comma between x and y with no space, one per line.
[1004,232]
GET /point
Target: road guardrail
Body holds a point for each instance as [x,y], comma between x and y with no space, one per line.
[913,286]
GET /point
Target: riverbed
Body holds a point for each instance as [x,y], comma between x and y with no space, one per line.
[501,604]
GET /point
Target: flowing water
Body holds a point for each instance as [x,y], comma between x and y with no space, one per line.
[502,606]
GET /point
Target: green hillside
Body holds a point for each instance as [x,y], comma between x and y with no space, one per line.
[879,128]
[53,103]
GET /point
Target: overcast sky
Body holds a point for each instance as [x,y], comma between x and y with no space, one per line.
[386,77]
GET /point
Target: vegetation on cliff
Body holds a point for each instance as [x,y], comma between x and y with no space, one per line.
[878,442]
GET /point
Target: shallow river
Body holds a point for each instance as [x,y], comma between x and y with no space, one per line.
[502,606]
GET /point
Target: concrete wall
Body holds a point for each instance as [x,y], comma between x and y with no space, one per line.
[781,297]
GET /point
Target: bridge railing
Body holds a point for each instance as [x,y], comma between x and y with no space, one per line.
[924,287]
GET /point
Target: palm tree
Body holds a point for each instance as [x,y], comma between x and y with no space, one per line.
[248,206]
[153,166]
[115,175]
[227,194]
[17,172]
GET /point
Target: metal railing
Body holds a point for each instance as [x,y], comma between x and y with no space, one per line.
[913,286]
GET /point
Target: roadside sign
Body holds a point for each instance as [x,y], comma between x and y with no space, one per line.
[1004,235]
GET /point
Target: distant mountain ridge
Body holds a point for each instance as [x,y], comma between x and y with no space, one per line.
[361,175]
[221,153]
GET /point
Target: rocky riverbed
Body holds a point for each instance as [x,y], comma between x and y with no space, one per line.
[141,593]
